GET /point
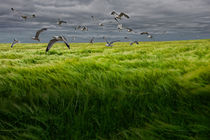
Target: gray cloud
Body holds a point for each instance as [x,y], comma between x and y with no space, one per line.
[156,16]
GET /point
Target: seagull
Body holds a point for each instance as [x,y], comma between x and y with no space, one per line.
[149,36]
[134,42]
[101,24]
[84,28]
[24,17]
[144,33]
[33,16]
[14,42]
[92,40]
[119,27]
[119,16]
[55,39]
[60,22]
[129,29]
[38,33]
[109,44]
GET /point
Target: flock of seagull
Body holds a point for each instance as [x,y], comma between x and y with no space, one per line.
[117,18]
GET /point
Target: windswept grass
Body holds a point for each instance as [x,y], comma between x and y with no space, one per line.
[155,90]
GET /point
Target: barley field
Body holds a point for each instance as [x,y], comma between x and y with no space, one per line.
[150,91]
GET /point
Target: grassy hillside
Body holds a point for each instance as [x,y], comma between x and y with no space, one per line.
[154,90]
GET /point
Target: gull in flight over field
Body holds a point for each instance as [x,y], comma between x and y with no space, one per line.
[129,29]
[109,44]
[134,42]
[55,39]
[120,27]
[26,17]
[146,33]
[149,36]
[119,16]
[84,28]
[100,24]
[38,33]
[14,42]
[60,22]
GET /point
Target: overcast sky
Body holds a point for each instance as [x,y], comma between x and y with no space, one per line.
[189,18]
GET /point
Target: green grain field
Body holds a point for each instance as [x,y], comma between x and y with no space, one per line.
[150,91]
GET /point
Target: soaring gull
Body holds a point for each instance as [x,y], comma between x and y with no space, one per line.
[55,39]
[38,33]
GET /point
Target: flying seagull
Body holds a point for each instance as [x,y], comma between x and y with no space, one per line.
[119,16]
[38,33]
[144,33]
[109,44]
[92,40]
[101,24]
[13,9]
[129,29]
[119,27]
[14,42]
[149,36]
[134,42]
[55,39]
[33,16]
[60,22]
[24,17]
[84,28]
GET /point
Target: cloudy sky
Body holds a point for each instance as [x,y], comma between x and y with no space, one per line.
[165,19]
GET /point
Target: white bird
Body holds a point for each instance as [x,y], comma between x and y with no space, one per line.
[60,22]
[84,28]
[109,44]
[101,24]
[26,17]
[134,42]
[120,27]
[144,33]
[129,29]
[14,42]
[149,36]
[55,39]
[38,33]
[119,16]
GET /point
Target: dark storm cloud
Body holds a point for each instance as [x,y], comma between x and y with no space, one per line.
[155,16]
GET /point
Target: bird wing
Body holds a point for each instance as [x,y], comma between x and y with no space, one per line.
[123,14]
[113,13]
[39,31]
[65,41]
[50,44]
[114,41]
[67,44]
[129,29]
[117,20]
[13,43]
